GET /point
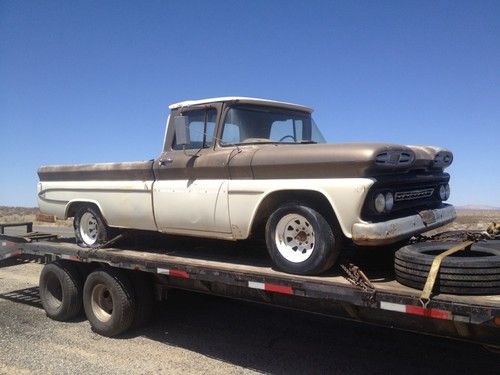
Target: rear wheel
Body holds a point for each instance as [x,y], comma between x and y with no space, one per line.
[109,301]
[300,240]
[90,228]
[61,290]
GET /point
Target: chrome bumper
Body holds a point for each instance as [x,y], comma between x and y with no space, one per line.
[372,234]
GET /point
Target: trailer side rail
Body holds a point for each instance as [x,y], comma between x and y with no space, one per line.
[475,311]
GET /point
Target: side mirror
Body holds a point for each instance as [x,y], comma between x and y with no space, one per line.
[181,130]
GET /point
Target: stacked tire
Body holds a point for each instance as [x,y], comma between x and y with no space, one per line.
[475,271]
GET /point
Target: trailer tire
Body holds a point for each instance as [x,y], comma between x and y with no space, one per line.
[61,290]
[144,296]
[313,253]
[90,227]
[472,272]
[109,301]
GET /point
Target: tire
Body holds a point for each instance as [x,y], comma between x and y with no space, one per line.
[144,296]
[90,228]
[61,290]
[109,301]
[313,252]
[473,272]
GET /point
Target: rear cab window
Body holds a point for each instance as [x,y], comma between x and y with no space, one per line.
[201,129]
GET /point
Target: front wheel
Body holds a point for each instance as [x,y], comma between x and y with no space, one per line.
[300,240]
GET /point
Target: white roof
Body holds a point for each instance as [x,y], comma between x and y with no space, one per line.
[241,99]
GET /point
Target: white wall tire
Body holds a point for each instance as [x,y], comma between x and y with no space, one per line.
[300,240]
[90,228]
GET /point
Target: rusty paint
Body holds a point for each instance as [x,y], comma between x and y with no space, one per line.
[236,231]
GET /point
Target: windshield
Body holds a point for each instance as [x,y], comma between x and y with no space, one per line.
[250,124]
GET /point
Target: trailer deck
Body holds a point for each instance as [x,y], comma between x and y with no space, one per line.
[244,271]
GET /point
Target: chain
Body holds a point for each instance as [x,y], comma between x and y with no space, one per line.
[492,233]
[358,278]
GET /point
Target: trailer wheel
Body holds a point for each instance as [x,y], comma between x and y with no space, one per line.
[144,296]
[300,240]
[61,290]
[90,228]
[475,271]
[109,301]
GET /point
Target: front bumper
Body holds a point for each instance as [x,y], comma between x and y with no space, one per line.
[383,233]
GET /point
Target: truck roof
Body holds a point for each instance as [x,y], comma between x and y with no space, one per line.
[241,99]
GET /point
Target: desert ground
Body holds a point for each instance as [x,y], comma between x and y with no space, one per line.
[473,219]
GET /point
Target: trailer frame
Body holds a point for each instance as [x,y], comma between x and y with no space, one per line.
[471,318]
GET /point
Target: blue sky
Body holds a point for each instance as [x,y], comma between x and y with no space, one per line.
[91,81]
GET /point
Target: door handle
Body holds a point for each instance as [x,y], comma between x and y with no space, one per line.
[166,161]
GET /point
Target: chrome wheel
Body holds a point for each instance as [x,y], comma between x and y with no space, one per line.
[102,303]
[295,238]
[88,228]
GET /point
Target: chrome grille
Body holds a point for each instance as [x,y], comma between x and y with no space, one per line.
[413,194]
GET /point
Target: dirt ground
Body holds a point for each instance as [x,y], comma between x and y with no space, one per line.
[473,220]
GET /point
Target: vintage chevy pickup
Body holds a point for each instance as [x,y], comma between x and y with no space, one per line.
[235,167]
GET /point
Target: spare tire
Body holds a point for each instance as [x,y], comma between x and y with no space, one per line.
[474,272]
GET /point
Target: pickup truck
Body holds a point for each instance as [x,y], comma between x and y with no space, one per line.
[237,167]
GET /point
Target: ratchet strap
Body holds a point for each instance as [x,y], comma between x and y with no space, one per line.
[436,264]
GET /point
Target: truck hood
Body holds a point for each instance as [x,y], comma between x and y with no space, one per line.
[346,160]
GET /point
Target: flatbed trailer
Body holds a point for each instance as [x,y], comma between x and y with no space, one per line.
[244,272]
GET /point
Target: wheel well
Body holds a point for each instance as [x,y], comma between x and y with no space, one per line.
[313,199]
[75,206]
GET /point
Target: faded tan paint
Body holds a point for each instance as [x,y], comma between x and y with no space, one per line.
[256,162]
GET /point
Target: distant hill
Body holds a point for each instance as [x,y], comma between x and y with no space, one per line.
[476,207]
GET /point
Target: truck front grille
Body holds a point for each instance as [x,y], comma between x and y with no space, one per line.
[413,194]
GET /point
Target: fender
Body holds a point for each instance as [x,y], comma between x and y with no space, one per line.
[78,200]
[345,196]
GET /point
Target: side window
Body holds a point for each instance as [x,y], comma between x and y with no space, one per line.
[231,132]
[201,129]
[287,131]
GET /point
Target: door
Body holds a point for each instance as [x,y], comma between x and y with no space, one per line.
[190,192]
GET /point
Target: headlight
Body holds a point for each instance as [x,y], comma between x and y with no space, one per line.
[380,203]
[442,192]
[389,201]
[447,191]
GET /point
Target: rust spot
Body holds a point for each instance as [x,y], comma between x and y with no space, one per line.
[236,231]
